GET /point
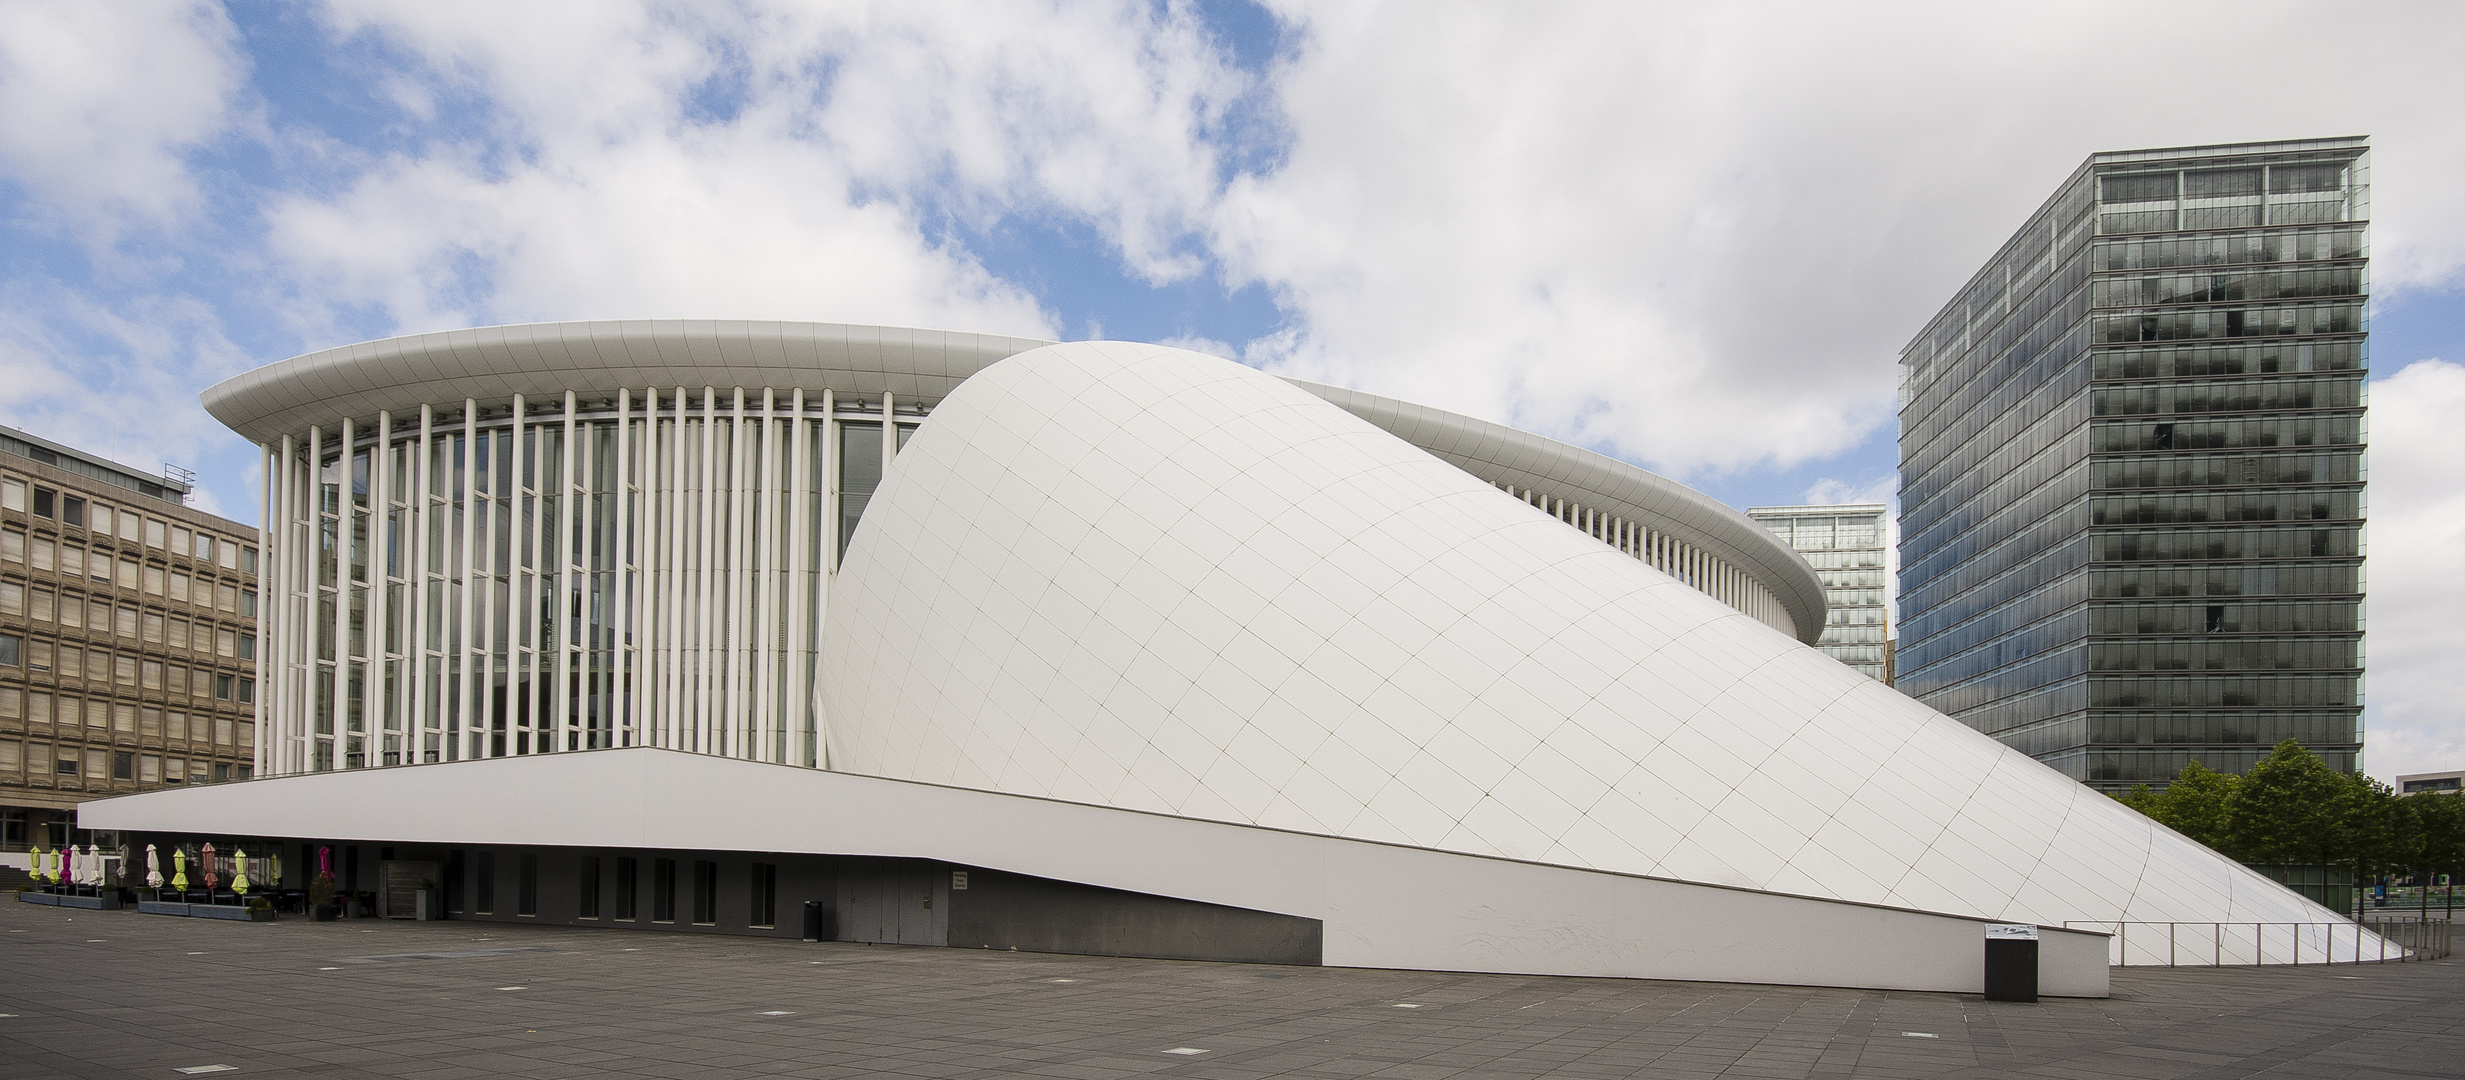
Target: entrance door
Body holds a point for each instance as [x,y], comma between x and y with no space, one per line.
[894,902]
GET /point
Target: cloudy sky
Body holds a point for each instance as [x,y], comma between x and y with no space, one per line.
[1693,236]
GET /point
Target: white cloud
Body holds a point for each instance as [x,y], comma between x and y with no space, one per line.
[99,104]
[791,162]
[2416,567]
[1698,236]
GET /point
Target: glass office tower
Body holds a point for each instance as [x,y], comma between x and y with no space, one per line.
[1845,546]
[2131,468]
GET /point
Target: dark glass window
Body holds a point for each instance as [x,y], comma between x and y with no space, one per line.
[663,890]
[586,888]
[705,891]
[526,884]
[627,888]
[485,902]
[763,892]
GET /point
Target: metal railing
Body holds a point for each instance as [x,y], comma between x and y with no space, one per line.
[2207,944]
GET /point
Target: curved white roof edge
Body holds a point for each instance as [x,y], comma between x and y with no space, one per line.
[492,364]
[1501,454]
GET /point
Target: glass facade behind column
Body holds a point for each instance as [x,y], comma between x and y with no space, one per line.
[2131,468]
[1844,544]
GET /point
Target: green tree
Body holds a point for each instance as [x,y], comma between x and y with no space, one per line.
[2290,808]
[2195,806]
[2439,823]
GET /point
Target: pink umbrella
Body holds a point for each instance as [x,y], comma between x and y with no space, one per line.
[208,852]
[66,866]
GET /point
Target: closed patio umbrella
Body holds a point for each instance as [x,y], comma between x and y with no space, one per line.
[154,869]
[179,869]
[94,866]
[68,865]
[239,874]
[206,861]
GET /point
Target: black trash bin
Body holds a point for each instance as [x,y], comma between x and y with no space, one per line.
[2011,963]
[817,921]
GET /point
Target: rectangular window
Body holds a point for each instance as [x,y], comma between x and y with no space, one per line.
[12,650]
[12,758]
[627,869]
[226,642]
[154,533]
[248,646]
[73,511]
[43,497]
[153,675]
[149,769]
[154,580]
[12,703]
[205,547]
[13,545]
[526,874]
[130,526]
[222,687]
[100,519]
[12,598]
[248,560]
[227,597]
[663,890]
[179,586]
[12,495]
[38,655]
[98,763]
[127,577]
[484,901]
[227,555]
[248,603]
[763,892]
[41,605]
[123,765]
[126,623]
[179,538]
[44,553]
[248,691]
[586,893]
[705,892]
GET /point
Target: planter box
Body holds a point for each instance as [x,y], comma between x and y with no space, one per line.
[45,899]
[161,907]
[218,911]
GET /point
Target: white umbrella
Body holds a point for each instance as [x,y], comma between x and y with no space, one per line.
[154,869]
[94,865]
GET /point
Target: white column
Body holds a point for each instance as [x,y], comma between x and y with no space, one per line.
[521,586]
[705,738]
[566,518]
[620,610]
[463,616]
[273,608]
[381,716]
[771,743]
[421,662]
[674,563]
[798,580]
[737,653]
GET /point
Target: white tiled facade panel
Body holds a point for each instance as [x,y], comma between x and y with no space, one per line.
[1135,576]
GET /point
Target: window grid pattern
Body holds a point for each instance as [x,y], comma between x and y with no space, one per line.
[2157,504]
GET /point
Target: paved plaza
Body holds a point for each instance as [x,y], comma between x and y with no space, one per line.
[95,994]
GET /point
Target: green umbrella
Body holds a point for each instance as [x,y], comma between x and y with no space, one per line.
[179,869]
[239,873]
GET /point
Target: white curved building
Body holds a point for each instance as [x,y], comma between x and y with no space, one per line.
[716,472]
[1330,671]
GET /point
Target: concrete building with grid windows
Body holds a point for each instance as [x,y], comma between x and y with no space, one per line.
[1100,647]
[128,639]
[2131,468]
[1846,545]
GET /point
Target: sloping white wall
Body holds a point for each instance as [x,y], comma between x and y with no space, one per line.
[1382,905]
[1136,576]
